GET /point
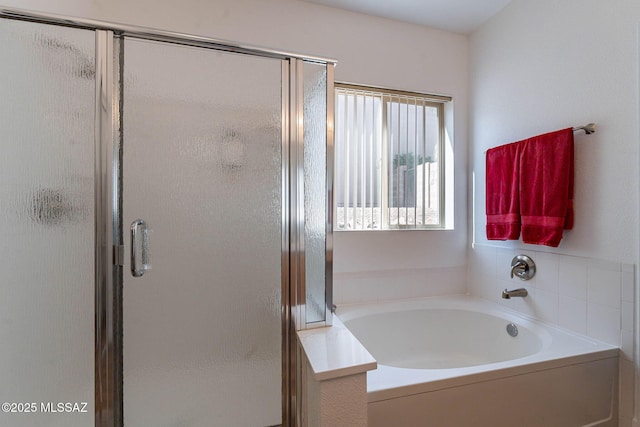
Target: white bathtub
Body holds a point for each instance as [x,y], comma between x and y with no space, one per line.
[449,361]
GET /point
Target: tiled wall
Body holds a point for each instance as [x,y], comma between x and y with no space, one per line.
[384,285]
[589,296]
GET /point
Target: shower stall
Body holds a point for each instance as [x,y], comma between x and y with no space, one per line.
[165,225]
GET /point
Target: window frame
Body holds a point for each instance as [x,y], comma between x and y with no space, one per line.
[401,97]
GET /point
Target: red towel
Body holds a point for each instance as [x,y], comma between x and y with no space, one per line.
[502,195]
[546,187]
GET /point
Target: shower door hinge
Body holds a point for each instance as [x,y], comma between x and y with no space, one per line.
[118,255]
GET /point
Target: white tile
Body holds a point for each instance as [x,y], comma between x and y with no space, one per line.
[490,290]
[627,316]
[603,283]
[495,291]
[482,289]
[476,276]
[626,345]
[547,266]
[345,291]
[442,281]
[477,288]
[503,262]
[526,305]
[380,290]
[628,280]
[546,306]
[482,263]
[572,276]
[572,314]
[603,323]
[372,286]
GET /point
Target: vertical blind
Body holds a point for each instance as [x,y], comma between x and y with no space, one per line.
[387,160]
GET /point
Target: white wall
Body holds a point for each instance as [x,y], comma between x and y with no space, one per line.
[542,65]
[369,50]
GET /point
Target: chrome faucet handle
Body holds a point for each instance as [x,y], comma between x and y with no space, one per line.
[523,267]
[519,269]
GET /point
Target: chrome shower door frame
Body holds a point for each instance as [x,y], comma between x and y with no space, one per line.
[108,235]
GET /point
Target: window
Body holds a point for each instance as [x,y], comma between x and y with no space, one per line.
[389,162]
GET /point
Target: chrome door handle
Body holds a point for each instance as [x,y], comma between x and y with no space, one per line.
[139,248]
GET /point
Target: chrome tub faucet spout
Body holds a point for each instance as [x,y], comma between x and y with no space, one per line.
[520,292]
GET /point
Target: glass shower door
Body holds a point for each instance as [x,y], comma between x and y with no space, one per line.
[202,214]
[47,245]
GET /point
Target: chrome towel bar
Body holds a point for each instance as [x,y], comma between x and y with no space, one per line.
[588,128]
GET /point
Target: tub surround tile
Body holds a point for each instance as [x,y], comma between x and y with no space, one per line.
[547,272]
[384,285]
[603,323]
[483,263]
[585,295]
[489,289]
[484,286]
[572,314]
[546,305]
[626,345]
[628,276]
[572,276]
[494,292]
[482,274]
[603,283]
[530,303]
[627,316]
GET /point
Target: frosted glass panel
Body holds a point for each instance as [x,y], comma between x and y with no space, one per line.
[315,187]
[202,166]
[46,223]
